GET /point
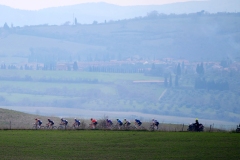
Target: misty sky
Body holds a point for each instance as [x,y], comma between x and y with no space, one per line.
[39,4]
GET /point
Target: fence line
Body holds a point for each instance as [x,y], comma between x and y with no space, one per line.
[170,127]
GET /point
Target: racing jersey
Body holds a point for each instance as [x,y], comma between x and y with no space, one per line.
[50,121]
[155,121]
[126,122]
[119,121]
[109,121]
[64,121]
[39,122]
[138,121]
[94,120]
[76,120]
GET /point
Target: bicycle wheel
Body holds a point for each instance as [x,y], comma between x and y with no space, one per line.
[131,127]
[53,127]
[142,128]
[61,127]
[151,128]
[76,127]
[115,127]
[34,127]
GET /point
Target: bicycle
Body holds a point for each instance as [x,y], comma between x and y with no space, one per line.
[50,127]
[153,128]
[109,126]
[36,126]
[91,126]
[75,126]
[127,127]
[116,127]
[137,127]
[62,126]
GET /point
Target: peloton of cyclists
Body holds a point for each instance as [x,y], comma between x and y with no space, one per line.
[93,123]
[125,123]
[50,123]
[64,122]
[119,123]
[38,122]
[76,122]
[138,123]
[155,123]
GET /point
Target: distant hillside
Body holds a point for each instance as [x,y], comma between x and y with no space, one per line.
[89,12]
[197,36]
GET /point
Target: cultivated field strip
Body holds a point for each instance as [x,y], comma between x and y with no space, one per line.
[39,145]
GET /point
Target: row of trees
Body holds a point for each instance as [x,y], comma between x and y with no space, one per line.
[168,81]
[201,83]
[200,69]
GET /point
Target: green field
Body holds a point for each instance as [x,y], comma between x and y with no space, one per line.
[28,144]
[76,89]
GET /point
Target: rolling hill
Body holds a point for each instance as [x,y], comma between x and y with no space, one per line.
[198,36]
[88,12]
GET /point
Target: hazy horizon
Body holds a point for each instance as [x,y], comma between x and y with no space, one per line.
[38,5]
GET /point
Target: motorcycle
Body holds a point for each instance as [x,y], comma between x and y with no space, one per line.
[193,127]
[238,129]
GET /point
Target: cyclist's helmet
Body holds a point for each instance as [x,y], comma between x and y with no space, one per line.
[35,118]
[91,119]
[117,119]
[125,119]
[48,118]
[75,118]
[61,118]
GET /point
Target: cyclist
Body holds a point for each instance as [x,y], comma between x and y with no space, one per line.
[38,122]
[126,123]
[50,123]
[64,122]
[109,123]
[119,122]
[93,123]
[76,122]
[138,123]
[155,123]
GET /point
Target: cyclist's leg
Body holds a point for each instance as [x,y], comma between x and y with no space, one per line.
[95,125]
[119,126]
[136,125]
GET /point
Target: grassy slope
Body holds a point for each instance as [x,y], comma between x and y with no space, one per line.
[20,119]
[23,43]
[117,145]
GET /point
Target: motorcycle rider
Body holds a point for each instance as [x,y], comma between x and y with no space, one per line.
[197,124]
